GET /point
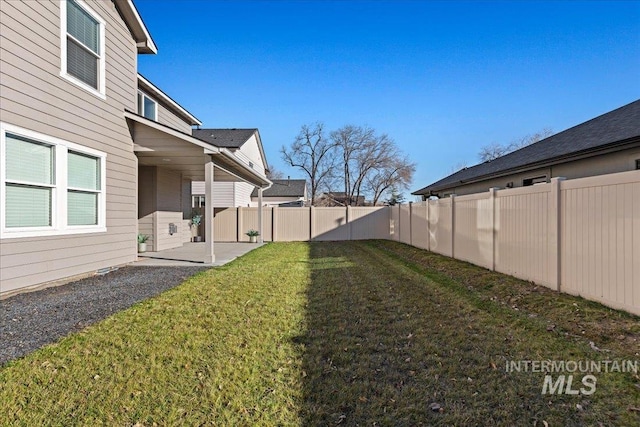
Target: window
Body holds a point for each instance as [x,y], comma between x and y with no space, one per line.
[147,107]
[197,201]
[535,180]
[637,164]
[49,186]
[82,39]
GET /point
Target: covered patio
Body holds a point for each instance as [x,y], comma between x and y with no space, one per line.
[168,161]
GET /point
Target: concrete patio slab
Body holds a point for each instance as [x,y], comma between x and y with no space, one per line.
[192,254]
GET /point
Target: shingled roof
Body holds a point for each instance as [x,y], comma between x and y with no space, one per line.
[225,138]
[284,188]
[616,128]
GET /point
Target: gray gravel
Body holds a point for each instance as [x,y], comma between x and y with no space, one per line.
[31,320]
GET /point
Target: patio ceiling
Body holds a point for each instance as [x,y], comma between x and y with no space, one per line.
[159,145]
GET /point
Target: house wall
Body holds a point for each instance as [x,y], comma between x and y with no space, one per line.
[147,203]
[167,117]
[250,152]
[243,194]
[160,202]
[35,97]
[226,194]
[274,201]
[169,209]
[599,165]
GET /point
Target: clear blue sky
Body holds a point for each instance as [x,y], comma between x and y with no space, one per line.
[441,78]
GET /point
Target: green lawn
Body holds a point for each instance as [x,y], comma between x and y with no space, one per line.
[353,333]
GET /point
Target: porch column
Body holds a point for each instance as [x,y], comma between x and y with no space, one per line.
[260,237]
[209,256]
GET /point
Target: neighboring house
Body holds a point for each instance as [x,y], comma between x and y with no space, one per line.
[283,192]
[91,153]
[338,198]
[606,144]
[245,144]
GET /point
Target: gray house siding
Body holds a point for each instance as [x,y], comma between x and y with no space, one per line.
[160,204]
[33,96]
[602,164]
[166,117]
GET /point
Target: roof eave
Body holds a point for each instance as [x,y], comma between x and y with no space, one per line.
[177,108]
[139,31]
[612,147]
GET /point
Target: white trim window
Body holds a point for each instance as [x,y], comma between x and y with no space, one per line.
[82,41]
[49,186]
[147,107]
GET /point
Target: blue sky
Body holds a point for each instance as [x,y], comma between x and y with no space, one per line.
[441,78]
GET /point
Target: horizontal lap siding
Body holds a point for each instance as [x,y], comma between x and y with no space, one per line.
[242,193]
[33,96]
[166,117]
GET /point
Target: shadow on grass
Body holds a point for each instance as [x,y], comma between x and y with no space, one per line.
[361,361]
[384,345]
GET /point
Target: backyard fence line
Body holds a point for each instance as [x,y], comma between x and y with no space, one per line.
[578,236]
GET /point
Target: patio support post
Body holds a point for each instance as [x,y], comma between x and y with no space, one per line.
[209,256]
[260,237]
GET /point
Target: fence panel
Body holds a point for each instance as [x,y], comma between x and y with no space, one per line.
[419,225]
[369,222]
[330,223]
[404,224]
[249,221]
[473,225]
[524,220]
[600,243]
[225,224]
[394,223]
[440,216]
[292,224]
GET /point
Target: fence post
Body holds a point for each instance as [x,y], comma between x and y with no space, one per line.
[411,223]
[271,223]
[399,221]
[453,225]
[428,225]
[311,222]
[349,221]
[492,208]
[555,232]
[274,226]
[239,224]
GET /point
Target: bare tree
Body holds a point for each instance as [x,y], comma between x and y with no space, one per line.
[366,158]
[495,150]
[395,176]
[273,173]
[312,153]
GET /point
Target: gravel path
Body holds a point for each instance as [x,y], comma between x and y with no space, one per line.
[31,320]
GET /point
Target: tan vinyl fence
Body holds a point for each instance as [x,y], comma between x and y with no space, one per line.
[580,236]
